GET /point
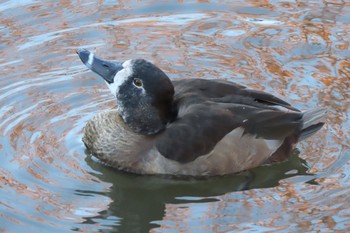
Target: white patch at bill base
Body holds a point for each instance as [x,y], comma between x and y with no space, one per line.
[121,77]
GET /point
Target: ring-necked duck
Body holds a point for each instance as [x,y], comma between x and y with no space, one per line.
[191,126]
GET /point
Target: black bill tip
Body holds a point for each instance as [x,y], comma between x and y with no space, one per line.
[86,57]
[106,69]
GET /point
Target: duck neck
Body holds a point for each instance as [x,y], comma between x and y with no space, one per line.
[148,119]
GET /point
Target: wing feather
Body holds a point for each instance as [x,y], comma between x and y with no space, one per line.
[208,110]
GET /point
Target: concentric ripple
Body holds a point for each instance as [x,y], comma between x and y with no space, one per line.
[298,51]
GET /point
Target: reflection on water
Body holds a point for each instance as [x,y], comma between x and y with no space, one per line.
[143,199]
[296,50]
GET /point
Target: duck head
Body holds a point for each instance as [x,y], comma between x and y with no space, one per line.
[144,93]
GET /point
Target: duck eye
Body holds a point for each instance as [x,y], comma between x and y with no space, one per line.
[137,82]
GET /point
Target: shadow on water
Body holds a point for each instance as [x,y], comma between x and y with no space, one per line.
[140,200]
[295,49]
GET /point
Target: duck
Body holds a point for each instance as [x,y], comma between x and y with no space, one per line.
[191,126]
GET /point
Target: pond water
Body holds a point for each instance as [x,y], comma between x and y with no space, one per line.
[48,183]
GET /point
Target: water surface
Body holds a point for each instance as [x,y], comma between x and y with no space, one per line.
[298,51]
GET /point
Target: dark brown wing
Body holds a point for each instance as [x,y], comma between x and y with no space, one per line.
[208,110]
[224,91]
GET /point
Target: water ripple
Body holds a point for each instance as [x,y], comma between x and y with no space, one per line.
[179,19]
[48,180]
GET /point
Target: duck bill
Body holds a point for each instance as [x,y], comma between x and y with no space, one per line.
[105,69]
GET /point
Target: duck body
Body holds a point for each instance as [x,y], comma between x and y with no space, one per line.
[190,127]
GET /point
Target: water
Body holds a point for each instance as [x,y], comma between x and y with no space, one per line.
[298,51]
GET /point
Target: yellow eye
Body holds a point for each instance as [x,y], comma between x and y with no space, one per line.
[137,82]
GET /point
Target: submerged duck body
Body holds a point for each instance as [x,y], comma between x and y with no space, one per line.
[191,127]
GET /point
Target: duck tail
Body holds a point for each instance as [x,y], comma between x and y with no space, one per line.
[313,121]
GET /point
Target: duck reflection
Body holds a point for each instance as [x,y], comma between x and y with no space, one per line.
[138,201]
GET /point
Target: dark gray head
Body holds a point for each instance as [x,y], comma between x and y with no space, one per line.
[144,93]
